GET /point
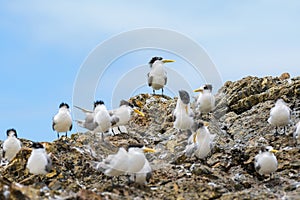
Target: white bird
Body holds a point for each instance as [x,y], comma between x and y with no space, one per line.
[62,121]
[297,131]
[39,161]
[131,162]
[11,145]
[280,115]
[201,142]
[122,115]
[206,100]
[101,118]
[265,162]
[143,176]
[183,114]
[157,77]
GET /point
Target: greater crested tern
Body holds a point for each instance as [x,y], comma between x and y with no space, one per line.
[206,100]
[62,121]
[131,162]
[200,143]
[157,77]
[122,115]
[101,117]
[280,115]
[265,162]
[183,114]
[39,161]
[11,145]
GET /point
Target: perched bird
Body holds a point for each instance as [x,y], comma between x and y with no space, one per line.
[201,142]
[62,121]
[143,176]
[39,161]
[183,114]
[297,131]
[265,162]
[206,100]
[157,77]
[123,114]
[101,118]
[280,115]
[11,145]
[131,162]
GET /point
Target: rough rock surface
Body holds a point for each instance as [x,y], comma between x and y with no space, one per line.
[239,122]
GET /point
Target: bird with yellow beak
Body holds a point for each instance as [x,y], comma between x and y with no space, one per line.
[183,114]
[157,77]
[266,162]
[206,100]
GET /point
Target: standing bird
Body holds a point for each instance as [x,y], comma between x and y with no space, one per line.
[130,162]
[265,162]
[297,131]
[183,114]
[206,100]
[201,142]
[102,118]
[11,145]
[39,161]
[157,77]
[62,121]
[122,115]
[280,115]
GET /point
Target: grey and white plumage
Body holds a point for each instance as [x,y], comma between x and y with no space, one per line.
[266,162]
[39,161]
[205,100]
[12,145]
[280,114]
[183,114]
[200,143]
[101,117]
[131,162]
[157,77]
[88,122]
[296,134]
[62,121]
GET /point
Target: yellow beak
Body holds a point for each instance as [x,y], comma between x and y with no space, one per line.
[274,151]
[194,137]
[139,112]
[199,90]
[206,123]
[167,61]
[146,150]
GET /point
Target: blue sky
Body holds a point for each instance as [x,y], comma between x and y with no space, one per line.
[44,44]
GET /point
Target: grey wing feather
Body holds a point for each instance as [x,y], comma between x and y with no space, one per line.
[49,164]
[83,110]
[166,79]
[150,79]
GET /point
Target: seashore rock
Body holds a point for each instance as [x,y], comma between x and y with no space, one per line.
[239,122]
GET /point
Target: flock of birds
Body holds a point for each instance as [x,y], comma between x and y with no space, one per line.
[132,161]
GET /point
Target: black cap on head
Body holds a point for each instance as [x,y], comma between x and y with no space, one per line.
[13,130]
[207,87]
[126,103]
[184,96]
[154,59]
[135,146]
[37,145]
[64,104]
[96,103]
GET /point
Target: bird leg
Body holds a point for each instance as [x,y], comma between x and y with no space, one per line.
[57,135]
[153,92]
[276,131]
[66,134]
[162,91]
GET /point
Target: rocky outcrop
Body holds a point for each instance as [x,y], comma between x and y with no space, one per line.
[239,122]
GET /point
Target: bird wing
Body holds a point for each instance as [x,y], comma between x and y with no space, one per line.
[48,167]
[83,110]
[71,127]
[53,124]
[166,79]
[150,79]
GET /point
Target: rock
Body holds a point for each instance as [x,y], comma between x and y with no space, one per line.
[239,122]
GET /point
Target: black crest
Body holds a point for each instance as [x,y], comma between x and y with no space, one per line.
[96,103]
[64,104]
[13,130]
[135,146]
[207,87]
[154,59]
[37,145]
